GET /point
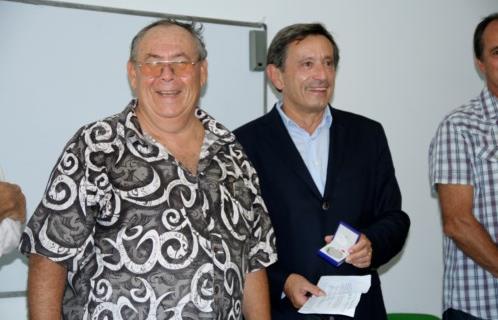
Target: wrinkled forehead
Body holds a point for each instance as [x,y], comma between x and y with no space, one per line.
[312,46]
[167,42]
[490,34]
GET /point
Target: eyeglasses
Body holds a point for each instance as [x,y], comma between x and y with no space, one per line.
[155,68]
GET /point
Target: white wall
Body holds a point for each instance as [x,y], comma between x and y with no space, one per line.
[404,63]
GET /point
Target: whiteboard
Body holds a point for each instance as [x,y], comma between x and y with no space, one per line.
[61,68]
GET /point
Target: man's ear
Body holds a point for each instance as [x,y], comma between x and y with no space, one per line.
[132,75]
[481,66]
[204,72]
[275,75]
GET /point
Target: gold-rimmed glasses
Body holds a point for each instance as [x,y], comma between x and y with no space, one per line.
[155,68]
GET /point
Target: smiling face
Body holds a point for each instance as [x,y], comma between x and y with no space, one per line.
[168,96]
[307,78]
[488,63]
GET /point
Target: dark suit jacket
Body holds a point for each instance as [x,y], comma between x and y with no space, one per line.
[361,189]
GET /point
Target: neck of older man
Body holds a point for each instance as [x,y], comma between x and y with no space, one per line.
[182,136]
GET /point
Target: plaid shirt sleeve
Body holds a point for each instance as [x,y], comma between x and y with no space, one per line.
[449,156]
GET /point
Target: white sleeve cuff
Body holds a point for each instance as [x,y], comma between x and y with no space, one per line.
[10,234]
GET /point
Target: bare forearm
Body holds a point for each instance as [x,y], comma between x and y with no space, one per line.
[460,224]
[475,242]
[46,283]
[256,303]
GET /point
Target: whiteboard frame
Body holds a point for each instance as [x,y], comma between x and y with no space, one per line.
[158,15]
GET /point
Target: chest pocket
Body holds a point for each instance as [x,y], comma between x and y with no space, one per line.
[486,160]
[488,153]
[487,146]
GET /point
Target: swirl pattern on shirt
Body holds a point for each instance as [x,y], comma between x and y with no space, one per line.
[143,238]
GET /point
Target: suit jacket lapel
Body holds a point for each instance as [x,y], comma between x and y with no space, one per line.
[282,142]
[337,145]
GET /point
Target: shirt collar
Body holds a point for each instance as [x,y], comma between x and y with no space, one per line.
[216,135]
[291,124]
[490,103]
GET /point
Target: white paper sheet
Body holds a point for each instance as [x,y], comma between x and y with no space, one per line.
[343,294]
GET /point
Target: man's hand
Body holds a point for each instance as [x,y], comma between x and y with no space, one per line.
[360,254]
[298,290]
[12,202]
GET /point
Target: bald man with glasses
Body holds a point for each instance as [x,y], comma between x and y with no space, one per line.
[155,212]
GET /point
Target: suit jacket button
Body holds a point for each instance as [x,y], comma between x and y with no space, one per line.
[325,205]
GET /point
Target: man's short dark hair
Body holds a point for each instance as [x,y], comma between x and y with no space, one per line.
[194,28]
[277,53]
[478,42]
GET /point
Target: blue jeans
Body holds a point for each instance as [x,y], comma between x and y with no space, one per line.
[452,314]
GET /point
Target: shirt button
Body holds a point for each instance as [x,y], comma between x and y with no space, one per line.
[325,205]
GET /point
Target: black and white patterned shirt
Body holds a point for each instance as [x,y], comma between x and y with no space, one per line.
[465,151]
[140,236]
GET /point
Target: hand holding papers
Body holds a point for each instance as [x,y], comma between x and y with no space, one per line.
[343,295]
[336,251]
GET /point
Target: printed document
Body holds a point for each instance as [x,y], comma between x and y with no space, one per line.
[343,294]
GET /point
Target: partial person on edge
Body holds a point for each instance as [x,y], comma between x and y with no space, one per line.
[12,215]
[463,160]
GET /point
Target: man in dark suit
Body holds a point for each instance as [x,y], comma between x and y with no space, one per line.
[319,166]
